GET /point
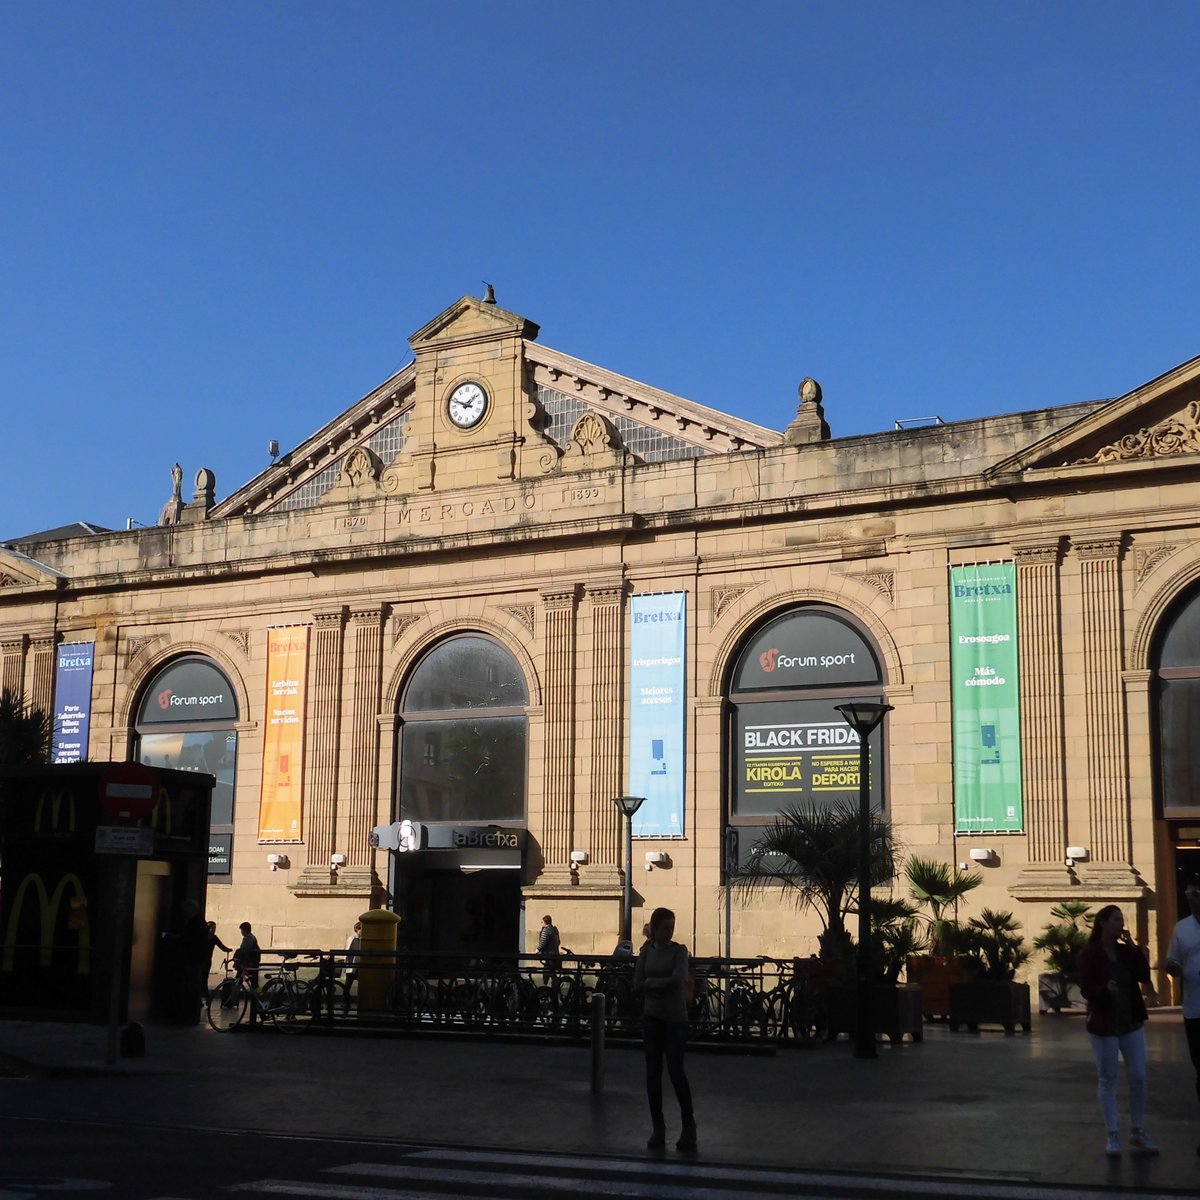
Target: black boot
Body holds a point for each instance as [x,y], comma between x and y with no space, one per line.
[687,1136]
[658,1137]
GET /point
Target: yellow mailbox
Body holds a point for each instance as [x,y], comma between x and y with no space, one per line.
[379,930]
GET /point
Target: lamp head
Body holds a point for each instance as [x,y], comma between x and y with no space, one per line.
[629,804]
[863,715]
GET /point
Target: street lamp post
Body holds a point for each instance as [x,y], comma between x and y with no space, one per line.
[863,716]
[628,805]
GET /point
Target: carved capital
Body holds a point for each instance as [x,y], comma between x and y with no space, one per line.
[366,617]
[1038,554]
[1099,548]
[329,618]
[610,592]
[560,598]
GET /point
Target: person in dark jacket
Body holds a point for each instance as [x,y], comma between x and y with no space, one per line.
[1111,972]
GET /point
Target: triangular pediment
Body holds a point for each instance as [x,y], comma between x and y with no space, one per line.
[471,320]
[383,444]
[18,570]
[1154,423]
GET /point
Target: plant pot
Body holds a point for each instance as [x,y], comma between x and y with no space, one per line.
[934,974]
[990,1002]
[1060,993]
[897,1011]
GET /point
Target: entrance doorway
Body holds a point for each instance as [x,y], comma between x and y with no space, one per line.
[450,911]
[1187,866]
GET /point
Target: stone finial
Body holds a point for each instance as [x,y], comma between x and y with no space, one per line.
[173,509]
[809,424]
[203,498]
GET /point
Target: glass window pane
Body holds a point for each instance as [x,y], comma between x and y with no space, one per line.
[214,752]
[463,770]
[1179,713]
[466,672]
[1180,645]
[806,648]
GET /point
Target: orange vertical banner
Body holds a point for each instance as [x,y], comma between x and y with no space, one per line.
[279,810]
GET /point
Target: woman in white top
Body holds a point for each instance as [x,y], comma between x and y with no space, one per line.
[661,979]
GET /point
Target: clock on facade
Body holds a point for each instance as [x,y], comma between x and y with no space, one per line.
[467,405]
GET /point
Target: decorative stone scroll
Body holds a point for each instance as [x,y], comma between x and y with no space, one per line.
[594,443]
[884,582]
[240,638]
[722,598]
[522,612]
[359,478]
[1179,434]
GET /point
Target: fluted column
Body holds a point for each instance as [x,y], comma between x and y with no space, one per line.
[607,740]
[1041,670]
[363,778]
[1108,802]
[324,738]
[558,783]
[12,675]
[41,674]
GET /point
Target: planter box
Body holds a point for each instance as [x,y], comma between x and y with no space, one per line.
[934,974]
[986,1002]
[1060,993]
[897,1011]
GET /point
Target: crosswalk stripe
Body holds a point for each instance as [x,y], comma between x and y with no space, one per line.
[492,1174]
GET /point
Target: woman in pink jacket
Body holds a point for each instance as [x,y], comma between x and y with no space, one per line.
[1111,972]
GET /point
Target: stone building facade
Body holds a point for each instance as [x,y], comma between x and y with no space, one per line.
[462,551]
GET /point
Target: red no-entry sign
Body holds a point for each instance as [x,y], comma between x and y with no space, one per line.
[128,790]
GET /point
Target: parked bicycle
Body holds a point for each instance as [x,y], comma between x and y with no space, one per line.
[283,999]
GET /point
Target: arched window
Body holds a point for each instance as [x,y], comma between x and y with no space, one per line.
[186,720]
[1176,661]
[463,736]
[786,743]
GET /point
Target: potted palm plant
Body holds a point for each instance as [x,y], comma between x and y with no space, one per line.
[1062,941]
[994,951]
[810,852]
[936,889]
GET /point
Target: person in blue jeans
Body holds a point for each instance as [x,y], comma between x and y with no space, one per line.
[660,978]
[1111,972]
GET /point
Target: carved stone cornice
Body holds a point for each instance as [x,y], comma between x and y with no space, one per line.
[1176,435]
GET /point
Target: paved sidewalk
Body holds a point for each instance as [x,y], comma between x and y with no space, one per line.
[972,1105]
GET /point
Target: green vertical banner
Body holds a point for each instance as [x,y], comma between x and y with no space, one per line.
[986,709]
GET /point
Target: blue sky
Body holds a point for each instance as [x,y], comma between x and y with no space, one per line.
[222,221]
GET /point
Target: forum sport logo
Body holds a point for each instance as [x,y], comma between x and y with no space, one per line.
[767,659]
[164,698]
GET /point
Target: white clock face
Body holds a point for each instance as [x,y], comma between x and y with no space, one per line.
[467,404]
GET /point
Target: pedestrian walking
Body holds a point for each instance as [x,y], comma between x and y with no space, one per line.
[1111,972]
[660,978]
[1183,961]
[248,956]
[213,944]
[353,946]
[549,948]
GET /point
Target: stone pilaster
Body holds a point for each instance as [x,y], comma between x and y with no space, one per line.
[12,673]
[324,738]
[363,775]
[1042,741]
[558,800]
[607,731]
[1103,720]
[41,673]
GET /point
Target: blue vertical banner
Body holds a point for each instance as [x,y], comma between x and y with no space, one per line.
[72,702]
[657,643]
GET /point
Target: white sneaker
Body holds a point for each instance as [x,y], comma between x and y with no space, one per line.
[1141,1140]
[1112,1147]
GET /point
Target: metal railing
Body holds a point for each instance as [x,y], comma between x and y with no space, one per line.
[756,1000]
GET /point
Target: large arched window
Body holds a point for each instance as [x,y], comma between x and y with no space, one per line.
[786,743]
[186,720]
[463,735]
[1176,661]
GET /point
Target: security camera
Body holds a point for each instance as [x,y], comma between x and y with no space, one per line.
[337,860]
[277,860]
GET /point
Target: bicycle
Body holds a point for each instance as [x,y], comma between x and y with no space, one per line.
[283,999]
